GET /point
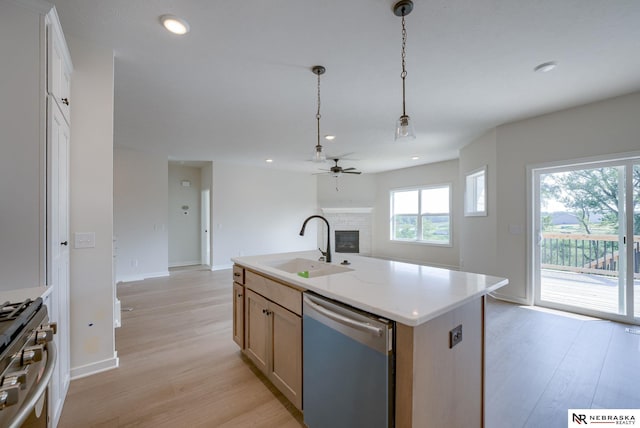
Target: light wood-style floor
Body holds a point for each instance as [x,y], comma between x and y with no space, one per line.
[180,367]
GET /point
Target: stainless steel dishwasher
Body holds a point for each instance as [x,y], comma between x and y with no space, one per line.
[348,366]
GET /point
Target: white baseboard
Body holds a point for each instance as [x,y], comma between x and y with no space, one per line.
[184,263]
[222,267]
[97,367]
[142,276]
[510,299]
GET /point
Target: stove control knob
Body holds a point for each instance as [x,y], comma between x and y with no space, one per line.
[53,326]
[9,396]
[18,378]
[31,354]
[44,335]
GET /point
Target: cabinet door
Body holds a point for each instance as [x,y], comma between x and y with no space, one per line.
[286,357]
[257,334]
[238,314]
[58,142]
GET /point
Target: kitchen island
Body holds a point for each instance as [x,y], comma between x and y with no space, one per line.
[439,370]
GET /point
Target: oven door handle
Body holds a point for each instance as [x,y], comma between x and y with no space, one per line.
[33,398]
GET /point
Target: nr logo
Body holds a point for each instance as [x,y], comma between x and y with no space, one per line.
[580,419]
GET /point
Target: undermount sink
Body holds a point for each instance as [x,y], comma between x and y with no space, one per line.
[308,268]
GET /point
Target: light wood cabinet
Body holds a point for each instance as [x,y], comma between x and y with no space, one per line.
[238,314]
[238,306]
[272,331]
[286,355]
[257,330]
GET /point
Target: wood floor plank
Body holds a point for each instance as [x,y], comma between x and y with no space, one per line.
[619,380]
[178,364]
[571,385]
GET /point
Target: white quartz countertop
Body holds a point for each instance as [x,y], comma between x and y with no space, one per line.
[407,293]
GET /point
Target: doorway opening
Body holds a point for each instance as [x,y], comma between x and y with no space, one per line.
[189,214]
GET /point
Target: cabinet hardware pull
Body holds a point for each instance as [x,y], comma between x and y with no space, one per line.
[65,101]
[240,295]
[65,243]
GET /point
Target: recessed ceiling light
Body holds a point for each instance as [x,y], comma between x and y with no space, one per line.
[415,157]
[174,24]
[268,160]
[545,67]
[330,137]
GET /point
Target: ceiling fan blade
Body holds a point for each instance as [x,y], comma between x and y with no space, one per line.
[348,169]
[352,172]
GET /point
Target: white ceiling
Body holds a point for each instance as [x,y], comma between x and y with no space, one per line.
[238,88]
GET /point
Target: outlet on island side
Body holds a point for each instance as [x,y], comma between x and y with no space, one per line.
[455,336]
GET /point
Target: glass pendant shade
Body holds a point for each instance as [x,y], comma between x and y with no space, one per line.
[318,155]
[404,129]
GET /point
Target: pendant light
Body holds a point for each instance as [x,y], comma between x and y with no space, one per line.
[318,154]
[404,125]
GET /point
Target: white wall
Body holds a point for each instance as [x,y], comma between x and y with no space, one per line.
[140,215]
[91,209]
[353,191]
[437,173]
[184,224]
[260,211]
[478,235]
[22,192]
[606,127]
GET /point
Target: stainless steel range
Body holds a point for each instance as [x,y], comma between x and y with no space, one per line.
[27,358]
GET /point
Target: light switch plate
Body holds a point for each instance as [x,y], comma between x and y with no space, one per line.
[84,240]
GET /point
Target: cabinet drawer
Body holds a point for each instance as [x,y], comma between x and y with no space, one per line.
[238,274]
[281,294]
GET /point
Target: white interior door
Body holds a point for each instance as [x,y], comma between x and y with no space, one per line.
[58,148]
[205,218]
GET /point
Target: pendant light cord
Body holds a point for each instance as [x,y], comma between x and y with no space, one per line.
[318,112]
[404,69]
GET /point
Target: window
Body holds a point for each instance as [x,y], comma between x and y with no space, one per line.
[422,215]
[475,193]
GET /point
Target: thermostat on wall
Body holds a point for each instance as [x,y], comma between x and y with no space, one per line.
[185,183]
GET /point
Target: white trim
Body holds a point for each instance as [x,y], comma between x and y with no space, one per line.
[532,287]
[361,210]
[185,263]
[222,267]
[142,276]
[94,368]
[469,207]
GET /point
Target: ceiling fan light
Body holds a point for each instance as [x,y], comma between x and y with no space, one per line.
[404,129]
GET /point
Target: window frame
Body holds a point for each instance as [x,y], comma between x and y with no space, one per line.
[419,232]
[471,193]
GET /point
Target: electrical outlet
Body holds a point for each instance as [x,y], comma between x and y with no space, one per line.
[455,336]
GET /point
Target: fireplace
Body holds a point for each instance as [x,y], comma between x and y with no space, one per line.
[347,241]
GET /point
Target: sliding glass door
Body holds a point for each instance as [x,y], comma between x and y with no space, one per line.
[586,252]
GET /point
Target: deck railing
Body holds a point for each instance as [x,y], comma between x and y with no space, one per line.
[585,253]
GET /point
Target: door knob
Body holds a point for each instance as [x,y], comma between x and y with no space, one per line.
[65,243]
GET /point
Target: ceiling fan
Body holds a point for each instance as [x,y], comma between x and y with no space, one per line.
[337,170]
